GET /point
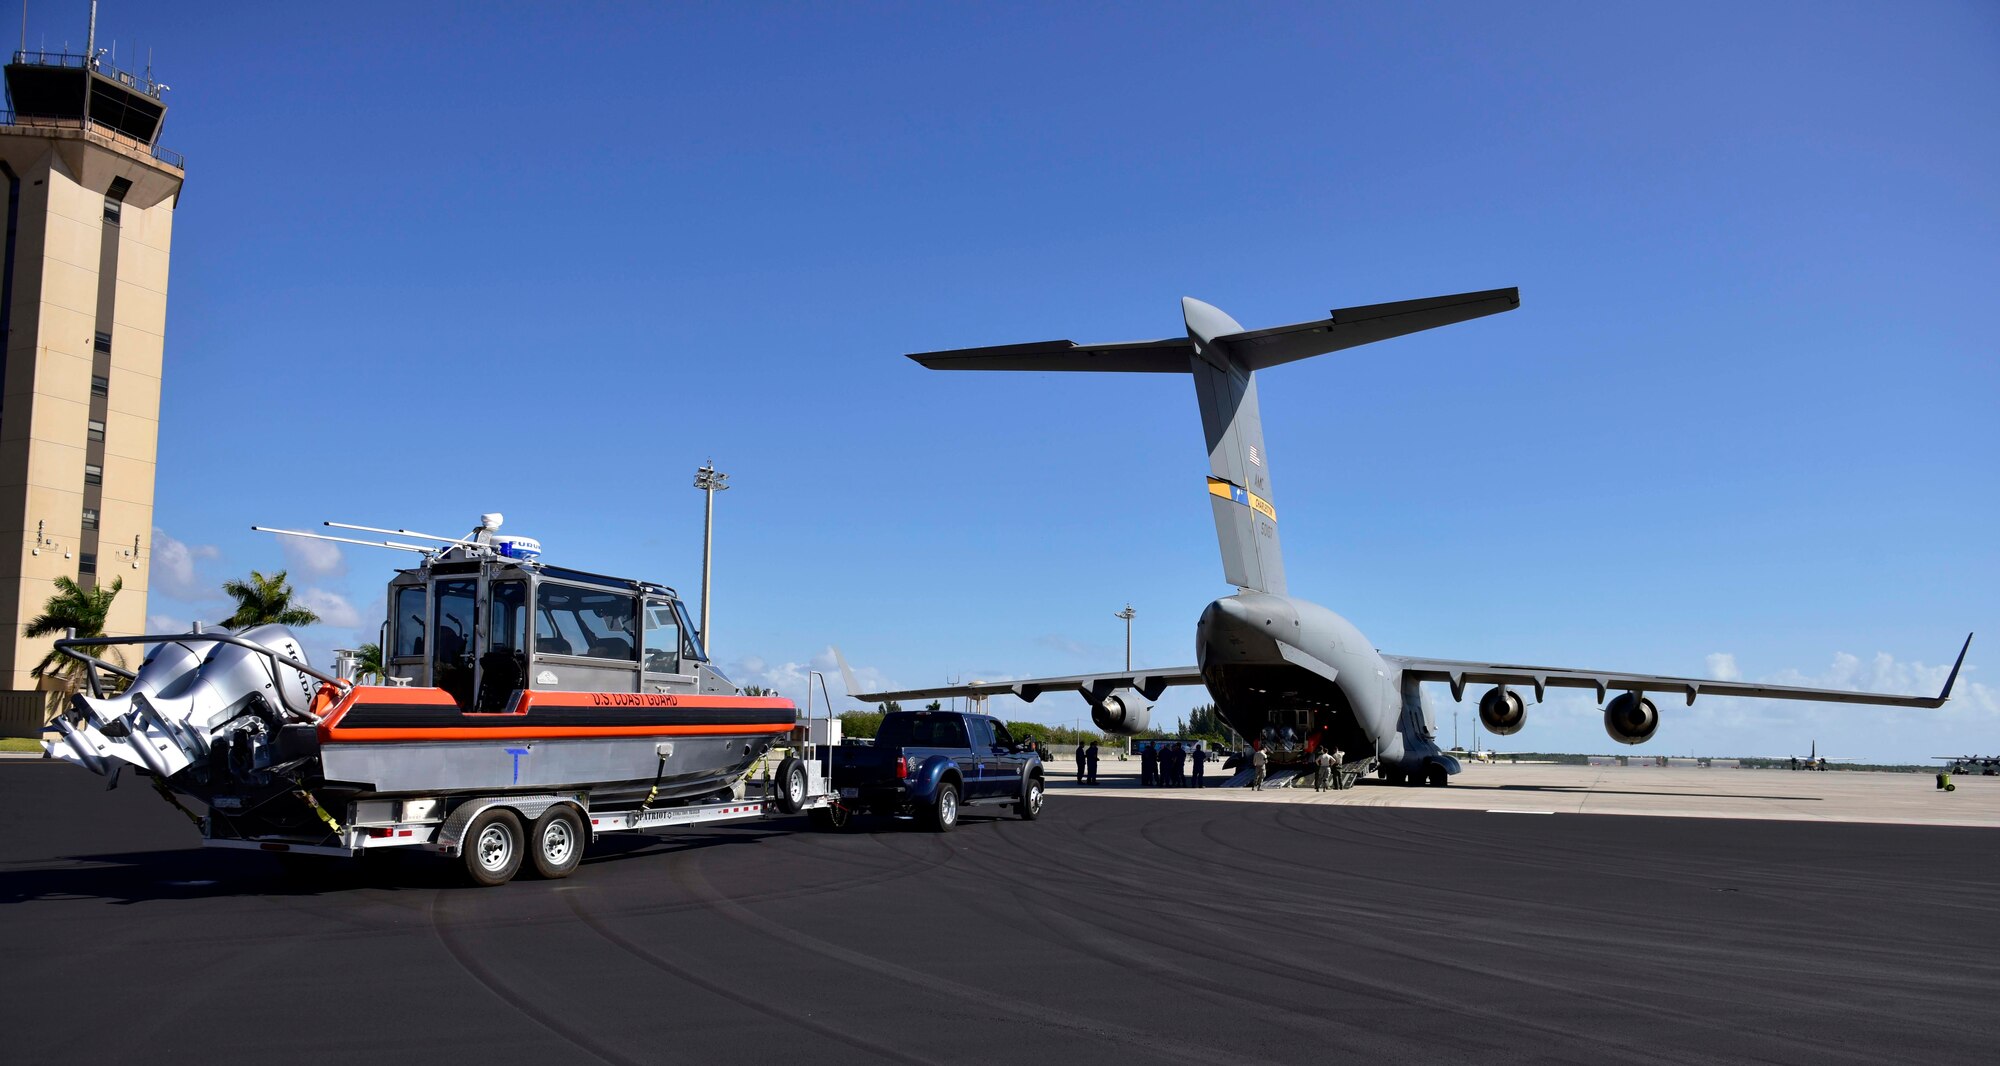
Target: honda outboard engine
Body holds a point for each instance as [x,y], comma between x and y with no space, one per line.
[188,699]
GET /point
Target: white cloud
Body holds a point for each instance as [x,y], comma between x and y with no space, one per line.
[1722,667]
[332,608]
[166,623]
[174,569]
[789,679]
[313,558]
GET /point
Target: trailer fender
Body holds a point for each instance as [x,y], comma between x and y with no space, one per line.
[452,833]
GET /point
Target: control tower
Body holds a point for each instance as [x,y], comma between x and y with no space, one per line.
[90,198]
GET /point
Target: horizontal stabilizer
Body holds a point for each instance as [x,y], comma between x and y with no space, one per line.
[1352,326]
[1168,356]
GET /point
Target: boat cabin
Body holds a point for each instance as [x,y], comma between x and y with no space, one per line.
[483,626]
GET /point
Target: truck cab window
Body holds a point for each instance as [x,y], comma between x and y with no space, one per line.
[1001,737]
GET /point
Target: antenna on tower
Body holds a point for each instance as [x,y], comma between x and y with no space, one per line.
[90,43]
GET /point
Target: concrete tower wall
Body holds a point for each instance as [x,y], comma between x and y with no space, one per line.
[86,305]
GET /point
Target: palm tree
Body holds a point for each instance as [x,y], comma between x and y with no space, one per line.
[262,600]
[73,607]
[371,662]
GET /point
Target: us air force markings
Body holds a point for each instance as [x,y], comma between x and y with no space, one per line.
[1292,676]
[1109,930]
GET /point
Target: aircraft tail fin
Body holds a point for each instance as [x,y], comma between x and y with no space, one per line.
[1223,358]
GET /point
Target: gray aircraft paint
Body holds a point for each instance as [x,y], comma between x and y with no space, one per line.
[1266,656]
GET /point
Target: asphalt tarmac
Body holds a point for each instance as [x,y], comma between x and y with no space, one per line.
[1112,930]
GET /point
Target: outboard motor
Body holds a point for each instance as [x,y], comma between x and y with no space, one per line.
[187,698]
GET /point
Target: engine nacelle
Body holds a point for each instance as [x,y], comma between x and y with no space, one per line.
[1502,712]
[1631,718]
[1122,712]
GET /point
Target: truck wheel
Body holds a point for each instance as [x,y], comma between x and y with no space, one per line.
[492,847]
[832,818]
[1030,807]
[942,816]
[557,842]
[789,787]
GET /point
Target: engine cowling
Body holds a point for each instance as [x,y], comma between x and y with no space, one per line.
[1122,712]
[1631,718]
[1502,712]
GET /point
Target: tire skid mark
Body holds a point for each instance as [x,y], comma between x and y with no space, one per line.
[1112,1032]
[1315,944]
[445,931]
[761,1004]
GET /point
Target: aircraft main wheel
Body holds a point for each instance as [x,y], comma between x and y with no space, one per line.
[1030,807]
[1436,776]
[789,787]
[556,842]
[942,816]
[492,847]
[830,818]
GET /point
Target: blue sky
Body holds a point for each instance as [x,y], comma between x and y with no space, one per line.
[432,261]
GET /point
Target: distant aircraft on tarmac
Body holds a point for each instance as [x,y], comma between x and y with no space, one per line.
[1285,673]
[1986,765]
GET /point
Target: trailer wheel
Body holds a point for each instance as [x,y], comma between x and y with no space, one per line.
[789,787]
[1030,807]
[942,816]
[556,842]
[492,847]
[833,817]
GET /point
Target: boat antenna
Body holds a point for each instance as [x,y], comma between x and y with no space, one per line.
[419,549]
[460,541]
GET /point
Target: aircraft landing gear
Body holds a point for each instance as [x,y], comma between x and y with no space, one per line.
[1436,776]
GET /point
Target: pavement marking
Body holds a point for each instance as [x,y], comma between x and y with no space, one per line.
[1502,810]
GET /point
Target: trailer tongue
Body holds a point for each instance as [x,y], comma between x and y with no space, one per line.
[526,709]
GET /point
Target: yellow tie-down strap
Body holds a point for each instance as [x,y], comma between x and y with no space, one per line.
[1238,494]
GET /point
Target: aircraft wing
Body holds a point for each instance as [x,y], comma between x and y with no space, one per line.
[1459,674]
[1147,682]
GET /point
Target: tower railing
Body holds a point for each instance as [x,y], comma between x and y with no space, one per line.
[91,126]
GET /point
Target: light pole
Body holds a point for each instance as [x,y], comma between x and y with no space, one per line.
[709,482]
[1127,614]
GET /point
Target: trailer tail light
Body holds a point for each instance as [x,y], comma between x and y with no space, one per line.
[902,766]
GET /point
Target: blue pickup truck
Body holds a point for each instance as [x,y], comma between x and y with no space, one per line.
[931,764]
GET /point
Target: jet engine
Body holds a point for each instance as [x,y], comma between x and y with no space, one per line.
[1122,712]
[1631,718]
[1502,712]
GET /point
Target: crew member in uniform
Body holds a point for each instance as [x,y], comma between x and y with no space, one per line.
[1258,762]
[1090,764]
[1148,764]
[1080,759]
[1200,760]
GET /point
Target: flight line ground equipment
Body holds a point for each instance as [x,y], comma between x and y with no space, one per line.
[528,709]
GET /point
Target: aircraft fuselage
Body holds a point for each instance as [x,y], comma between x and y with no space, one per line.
[1290,675]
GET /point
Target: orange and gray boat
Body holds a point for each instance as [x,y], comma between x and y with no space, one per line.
[571,702]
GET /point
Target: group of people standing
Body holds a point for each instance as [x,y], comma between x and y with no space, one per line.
[1169,765]
[1086,764]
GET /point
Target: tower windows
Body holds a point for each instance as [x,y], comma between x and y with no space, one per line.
[93,474]
[96,431]
[90,518]
[100,385]
[86,563]
[114,200]
[103,343]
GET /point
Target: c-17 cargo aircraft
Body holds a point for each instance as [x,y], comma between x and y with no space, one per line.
[1287,674]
